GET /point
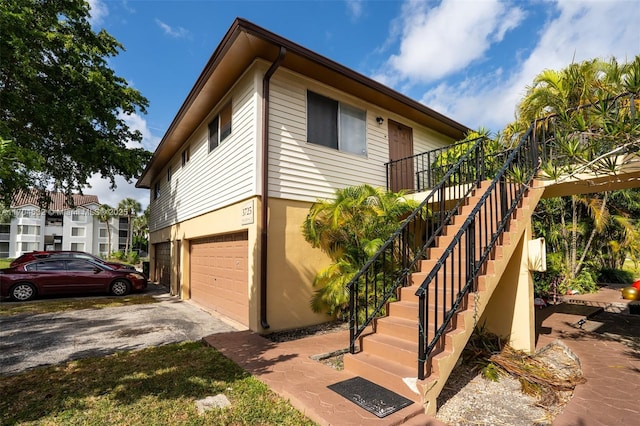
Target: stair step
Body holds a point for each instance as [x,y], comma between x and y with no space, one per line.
[383,372]
[391,348]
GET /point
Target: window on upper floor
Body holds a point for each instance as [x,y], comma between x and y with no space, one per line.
[220,127]
[5,228]
[169,174]
[26,247]
[28,229]
[185,156]
[77,246]
[77,216]
[156,191]
[77,232]
[103,233]
[336,125]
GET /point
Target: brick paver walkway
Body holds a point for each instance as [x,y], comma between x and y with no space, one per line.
[610,395]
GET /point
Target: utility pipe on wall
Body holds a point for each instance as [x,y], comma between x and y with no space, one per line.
[265,187]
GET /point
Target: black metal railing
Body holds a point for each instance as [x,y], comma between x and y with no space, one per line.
[387,270]
[454,275]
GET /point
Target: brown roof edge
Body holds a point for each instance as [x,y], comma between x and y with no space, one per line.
[354,75]
[242,25]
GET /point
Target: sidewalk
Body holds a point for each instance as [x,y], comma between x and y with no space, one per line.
[609,397]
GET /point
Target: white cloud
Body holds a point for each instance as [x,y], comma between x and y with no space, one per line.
[354,8]
[574,31]
[101,187]
[98,11]
[444,39]
[137,122]
[177,32]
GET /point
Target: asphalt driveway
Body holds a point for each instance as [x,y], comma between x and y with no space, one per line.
[28,340]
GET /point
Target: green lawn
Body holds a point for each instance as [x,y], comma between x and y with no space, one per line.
[154,386]
[4,263]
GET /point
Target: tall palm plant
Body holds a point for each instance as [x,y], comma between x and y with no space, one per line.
[104,213]
[350,228]
[582,139]
[130,208]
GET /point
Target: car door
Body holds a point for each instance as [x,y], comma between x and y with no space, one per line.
[48,275]
[84,275]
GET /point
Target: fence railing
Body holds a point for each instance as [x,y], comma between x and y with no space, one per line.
[377,282]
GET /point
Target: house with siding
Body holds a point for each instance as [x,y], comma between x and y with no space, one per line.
[268,128]
[59,226]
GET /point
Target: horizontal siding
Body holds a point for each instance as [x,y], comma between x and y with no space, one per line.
[302,171]
[211,180]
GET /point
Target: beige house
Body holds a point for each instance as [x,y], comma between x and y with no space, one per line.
[268,128]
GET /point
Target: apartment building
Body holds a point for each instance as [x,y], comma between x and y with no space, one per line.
[28,227]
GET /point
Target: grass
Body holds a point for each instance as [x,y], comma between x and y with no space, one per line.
[632,267]
[156,386]
[61,305]
[4,263]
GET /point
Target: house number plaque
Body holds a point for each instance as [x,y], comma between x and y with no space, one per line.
[246,216]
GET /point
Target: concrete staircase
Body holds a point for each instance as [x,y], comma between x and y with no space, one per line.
[389,352]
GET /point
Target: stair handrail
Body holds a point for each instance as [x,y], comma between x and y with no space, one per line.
[472,268]
[356,327]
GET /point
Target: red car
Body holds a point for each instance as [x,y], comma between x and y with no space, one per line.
[51,276]
[27,257]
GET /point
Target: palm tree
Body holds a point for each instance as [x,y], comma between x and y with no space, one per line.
[104,213]
[141,228]
[130,208]
[582,139]
[350,228]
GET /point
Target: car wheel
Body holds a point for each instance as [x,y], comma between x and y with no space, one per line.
[22,292]
[120,287]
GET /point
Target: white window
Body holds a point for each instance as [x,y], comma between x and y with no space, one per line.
[104,248]
[77,232]
[29,229]
[336,125]
[220,127]
[26,247]
[103,233]
[77,246]
[77,216]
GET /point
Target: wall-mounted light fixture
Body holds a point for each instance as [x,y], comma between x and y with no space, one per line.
[380,120]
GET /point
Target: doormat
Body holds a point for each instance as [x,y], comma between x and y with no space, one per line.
[373,398]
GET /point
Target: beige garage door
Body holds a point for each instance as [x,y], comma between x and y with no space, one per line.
[162,272]
[219,268]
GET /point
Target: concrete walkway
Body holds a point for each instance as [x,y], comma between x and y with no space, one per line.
[611,366]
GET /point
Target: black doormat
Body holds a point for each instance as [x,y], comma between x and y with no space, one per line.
[373,398]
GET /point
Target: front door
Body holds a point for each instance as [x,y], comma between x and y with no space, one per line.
[400,148]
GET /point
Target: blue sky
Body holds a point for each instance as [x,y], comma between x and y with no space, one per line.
[470,60]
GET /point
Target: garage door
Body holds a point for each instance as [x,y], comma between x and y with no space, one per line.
[219,268]
[162,273]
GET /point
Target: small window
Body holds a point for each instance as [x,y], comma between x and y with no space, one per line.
[220,127]
[156,191]
[4,250]
[28,230]
[77,246]
[46,265]
[336,125]
[104,248]
[103,232]
[5,228]
[169,174]
[185,157]
[77,217]
[80,265]
[77,232]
